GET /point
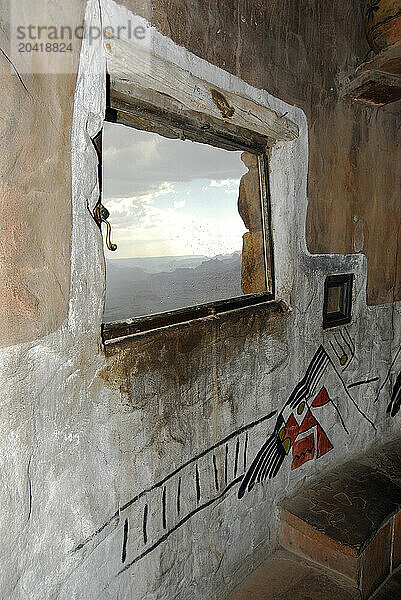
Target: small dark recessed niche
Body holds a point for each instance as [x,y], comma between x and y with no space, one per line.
[337,307]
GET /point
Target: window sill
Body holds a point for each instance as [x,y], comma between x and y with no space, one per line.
[121,331]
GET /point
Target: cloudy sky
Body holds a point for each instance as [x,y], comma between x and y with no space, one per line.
[169,197]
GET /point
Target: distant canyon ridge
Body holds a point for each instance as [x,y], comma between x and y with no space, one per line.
[144,286]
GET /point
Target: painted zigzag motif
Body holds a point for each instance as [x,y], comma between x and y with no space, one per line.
[272,454]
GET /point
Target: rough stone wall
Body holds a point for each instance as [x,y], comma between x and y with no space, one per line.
[299,51]
[35,196]
[121,467]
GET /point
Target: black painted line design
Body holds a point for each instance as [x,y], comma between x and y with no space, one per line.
[196,458]
[395,402]
[334,350]
[172,474]
[197,480]
[125,540]
[347,344]
[180,524]
[365,382]
[30,487]
[350,397]
[179,496]
[164,509]
[339,415]
[145,524]
[245,450]
[216,473]
[226,466]
[236,458]
[350,342]
[350,345]
[343,349]
[388,374]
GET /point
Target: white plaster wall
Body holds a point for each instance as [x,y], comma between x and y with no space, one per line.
[74,450]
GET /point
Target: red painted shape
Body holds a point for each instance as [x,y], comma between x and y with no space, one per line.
[323,443]
[291,429]
[302,451]
[308,422]
[321,399]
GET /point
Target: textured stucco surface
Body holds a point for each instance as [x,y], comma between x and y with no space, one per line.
[85,430]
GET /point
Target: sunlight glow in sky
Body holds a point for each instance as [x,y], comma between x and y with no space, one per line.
[170,197]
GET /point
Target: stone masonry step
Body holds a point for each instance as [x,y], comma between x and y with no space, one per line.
[286,576]
[349,521]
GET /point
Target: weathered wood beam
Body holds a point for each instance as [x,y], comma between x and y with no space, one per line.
[187,125]
[137,75]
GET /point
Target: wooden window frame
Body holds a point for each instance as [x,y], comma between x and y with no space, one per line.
[214,117]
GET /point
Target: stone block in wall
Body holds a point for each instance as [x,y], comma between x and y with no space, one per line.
[253,270]
[249,206]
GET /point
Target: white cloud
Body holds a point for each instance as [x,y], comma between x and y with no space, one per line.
[129,205]
[227,183]
[142,229]
[136,161]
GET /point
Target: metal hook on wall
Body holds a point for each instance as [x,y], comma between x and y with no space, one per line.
[101,215]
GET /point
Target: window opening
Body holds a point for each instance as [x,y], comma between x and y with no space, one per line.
[191,225]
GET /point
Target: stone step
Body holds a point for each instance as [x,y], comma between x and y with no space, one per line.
[349,521]
[286,576]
